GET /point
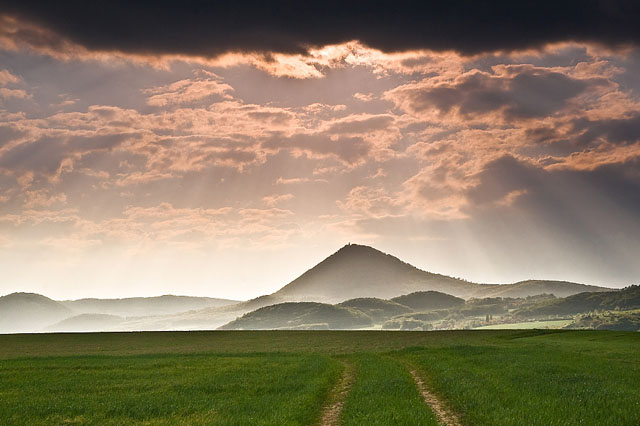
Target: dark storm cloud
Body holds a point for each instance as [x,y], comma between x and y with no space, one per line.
[548,192]
[209,28]
[501,177]
[529,93]
[617,131]
[585,217]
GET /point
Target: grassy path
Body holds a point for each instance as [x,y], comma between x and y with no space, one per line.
[532,383]
[384,393]
[333,409]
[445,416]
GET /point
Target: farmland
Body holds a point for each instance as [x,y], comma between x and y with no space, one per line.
[192,389]
[492,377]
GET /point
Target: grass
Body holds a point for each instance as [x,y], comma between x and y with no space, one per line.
[166,390]
[384,393]
[488,377]
[180,342]
[531,382]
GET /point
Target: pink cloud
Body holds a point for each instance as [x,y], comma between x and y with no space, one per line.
[6,77]
[187,91]
[14,93]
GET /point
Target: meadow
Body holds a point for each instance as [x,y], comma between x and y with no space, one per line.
[492,377]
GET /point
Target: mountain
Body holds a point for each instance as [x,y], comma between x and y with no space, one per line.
[625,299]
[361,271]
[300,315]
[144,306]
[29,312]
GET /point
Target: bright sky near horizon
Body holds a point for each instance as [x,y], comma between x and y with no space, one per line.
[134,174]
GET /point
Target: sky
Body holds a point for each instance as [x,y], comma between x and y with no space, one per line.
[223,149]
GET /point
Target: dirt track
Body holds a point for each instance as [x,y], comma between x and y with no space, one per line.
[331,413]
[444,415]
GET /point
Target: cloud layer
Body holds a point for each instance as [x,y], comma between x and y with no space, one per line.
[200,28]
[494,166]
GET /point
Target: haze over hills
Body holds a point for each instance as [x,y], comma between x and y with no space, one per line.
[144,306]
[30,312]
[364,312]
[361,277]
[432,310]
[27,312]
[362,271]
[87,322]
[625,299]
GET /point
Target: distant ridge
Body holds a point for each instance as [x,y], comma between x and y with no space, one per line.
[364,278]
[144,306]
[362,271]
[29,312]
[87,322]
[625,299]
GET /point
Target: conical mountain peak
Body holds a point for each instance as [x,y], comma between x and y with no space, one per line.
[356,271]
[361,271]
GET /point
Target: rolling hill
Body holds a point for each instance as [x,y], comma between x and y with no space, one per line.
[536,287]
[625,299]
[378,309]
[87,322]
[362,271]
[360,278]
[144,306]
[428,300]
[297,315]
[29,312]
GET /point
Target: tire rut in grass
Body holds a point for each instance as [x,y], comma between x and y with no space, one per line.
[333,409]
[444,415]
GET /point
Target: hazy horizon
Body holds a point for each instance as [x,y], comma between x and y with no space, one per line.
[186,163]
[279,286]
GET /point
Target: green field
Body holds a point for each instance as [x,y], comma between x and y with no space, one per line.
[384,393]
[493,377]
